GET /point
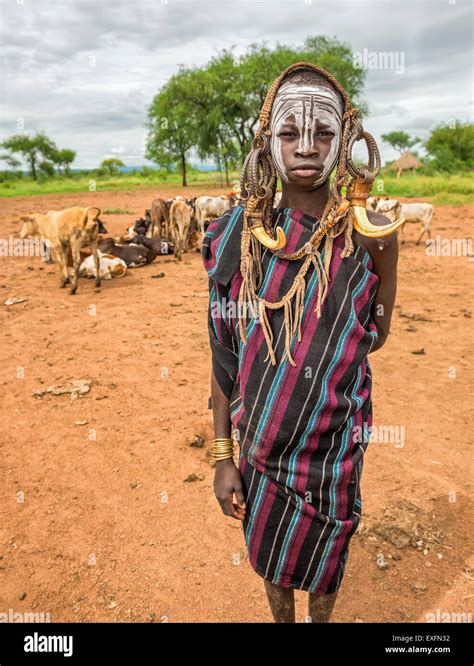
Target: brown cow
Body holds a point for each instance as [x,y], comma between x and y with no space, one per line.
[132,255]
[160,217]
[68,231]
[180,219]
[195,238]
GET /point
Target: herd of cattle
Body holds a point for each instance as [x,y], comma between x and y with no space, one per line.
[81,245]
[182,221]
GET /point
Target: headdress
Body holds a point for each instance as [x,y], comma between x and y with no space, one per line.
[342,213]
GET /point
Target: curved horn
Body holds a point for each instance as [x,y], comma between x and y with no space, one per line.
[363,225]
[357,193]
[266,240]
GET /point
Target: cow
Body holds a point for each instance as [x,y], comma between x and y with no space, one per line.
[209,208]
[391,208]
[372,203]
[410,212]
[191,202]
[417,212]
[133,255]
[180,220]
[157,245]
[110,267]
[101,227]
[159,218]
[195,239]
[140,226]
[67,231]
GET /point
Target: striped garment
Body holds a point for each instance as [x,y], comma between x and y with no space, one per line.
[303,430]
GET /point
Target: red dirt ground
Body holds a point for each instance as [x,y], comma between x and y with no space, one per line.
[108,529]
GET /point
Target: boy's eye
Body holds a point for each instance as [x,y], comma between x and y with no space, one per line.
[292,134]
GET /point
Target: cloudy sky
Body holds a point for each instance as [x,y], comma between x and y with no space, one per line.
[85,71]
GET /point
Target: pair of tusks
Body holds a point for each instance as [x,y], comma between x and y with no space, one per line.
[357,194]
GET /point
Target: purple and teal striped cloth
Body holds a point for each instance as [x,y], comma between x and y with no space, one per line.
[302,431]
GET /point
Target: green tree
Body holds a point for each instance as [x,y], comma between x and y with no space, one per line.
[46,168]
[111,165]
[399,140]
[451,147]
[31,148]
[172,126]
[202,90]
[63,159]
[12,161]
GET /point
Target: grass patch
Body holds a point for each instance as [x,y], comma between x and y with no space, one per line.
[90,183]
[118,211]
[452,189]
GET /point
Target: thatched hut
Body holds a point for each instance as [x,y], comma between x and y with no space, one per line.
[407,162]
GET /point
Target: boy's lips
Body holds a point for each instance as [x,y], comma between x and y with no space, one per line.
[306,171]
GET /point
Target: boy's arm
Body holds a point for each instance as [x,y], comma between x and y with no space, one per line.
[227,479]
[220,409]
[221,340]
[384,255]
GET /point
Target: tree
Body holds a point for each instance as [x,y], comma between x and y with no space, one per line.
[46,168]
[112,165]
[172,126]
[399,140]
[30,148]
[451,147]
[12,161]
[63,159]
[200,89]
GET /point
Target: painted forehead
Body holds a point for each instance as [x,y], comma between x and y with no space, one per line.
[295,98]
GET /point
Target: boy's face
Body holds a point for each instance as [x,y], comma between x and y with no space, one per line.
[306,125]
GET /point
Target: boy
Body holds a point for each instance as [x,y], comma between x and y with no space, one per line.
[319,296]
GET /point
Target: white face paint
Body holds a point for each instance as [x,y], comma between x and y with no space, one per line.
[308,104]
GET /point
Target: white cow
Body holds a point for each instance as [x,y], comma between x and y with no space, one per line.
[391,208]
[210,208]
[372,203]
[410,212]
[110,266]
[417,212]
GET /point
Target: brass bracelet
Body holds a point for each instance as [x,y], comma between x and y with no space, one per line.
[222,448]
